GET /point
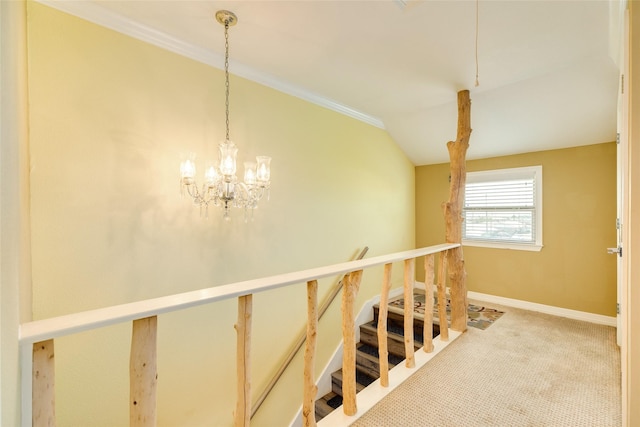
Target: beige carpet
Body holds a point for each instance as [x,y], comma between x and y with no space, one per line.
[527,369]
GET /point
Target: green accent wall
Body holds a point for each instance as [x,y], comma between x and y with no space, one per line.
[573,269]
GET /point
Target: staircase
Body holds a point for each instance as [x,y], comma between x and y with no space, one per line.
[367,360]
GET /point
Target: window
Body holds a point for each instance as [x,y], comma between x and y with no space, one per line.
[503,209]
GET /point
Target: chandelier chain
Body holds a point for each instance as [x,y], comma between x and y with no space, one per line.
[226,76]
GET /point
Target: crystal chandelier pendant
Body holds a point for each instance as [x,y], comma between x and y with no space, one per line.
[221,186]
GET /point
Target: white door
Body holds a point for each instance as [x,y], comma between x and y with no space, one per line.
[618,251]
[622,185]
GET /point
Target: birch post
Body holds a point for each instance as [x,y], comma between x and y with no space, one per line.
[383,352]
[243,362]
[310,388]
[409,278]
[442,296]
[453,213]
[349,292]
[43,385]
[298,345]
[143,373]
[428,304]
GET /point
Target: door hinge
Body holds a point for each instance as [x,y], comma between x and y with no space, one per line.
[618,224]
[617,138]
[618,308]
[622,84]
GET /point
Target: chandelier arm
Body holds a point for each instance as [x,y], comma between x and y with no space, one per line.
[208,193]
[245,193]
[192,191]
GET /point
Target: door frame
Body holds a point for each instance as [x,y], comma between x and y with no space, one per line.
[623,215]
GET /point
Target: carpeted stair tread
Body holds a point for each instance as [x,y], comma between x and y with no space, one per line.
[395,340]
[395,321]
[368,361]
[327,404]
[322,409]
[396,317]
[362,380]
[335,401]
[369,335]
[373,351]
[399,330]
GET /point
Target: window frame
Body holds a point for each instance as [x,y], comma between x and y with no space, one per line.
[504,175]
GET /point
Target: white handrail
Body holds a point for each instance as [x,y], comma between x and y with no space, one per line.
[55,327]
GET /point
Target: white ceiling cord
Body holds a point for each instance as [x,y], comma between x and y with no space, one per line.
[477,20]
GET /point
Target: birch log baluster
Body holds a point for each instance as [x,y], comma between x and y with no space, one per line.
[349,292]
[310,388]
[453,213]
[428,304]
[383,352]
[409,280]
[243,328]
[298,345]
[442,296]
[43,385]
[143,373]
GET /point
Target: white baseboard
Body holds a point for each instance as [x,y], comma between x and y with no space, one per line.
[542,308]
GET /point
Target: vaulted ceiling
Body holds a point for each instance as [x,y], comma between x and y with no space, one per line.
[547,70]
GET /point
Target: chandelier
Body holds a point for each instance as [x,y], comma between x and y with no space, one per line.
[221,187]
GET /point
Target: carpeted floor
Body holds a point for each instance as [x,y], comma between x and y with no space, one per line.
[527,369]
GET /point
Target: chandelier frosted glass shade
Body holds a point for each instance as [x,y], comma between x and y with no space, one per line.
[228,153]
[221,186]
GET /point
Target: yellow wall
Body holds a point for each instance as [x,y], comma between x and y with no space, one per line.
[15,270]
[573,269]
[109,119]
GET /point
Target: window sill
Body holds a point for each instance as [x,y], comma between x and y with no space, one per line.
[502,245]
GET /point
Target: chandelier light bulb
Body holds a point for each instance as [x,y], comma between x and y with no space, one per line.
[250,173]
[228,153]
[210,175]
[188,170]
[264,168]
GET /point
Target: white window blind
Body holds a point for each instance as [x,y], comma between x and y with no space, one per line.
[504,206]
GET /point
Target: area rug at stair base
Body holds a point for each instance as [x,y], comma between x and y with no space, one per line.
[479,317]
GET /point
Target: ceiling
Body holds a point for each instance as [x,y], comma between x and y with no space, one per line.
[547,70]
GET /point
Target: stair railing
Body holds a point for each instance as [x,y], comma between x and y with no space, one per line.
[300,341]
[37,338]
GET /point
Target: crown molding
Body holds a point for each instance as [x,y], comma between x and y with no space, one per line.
[97,14]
